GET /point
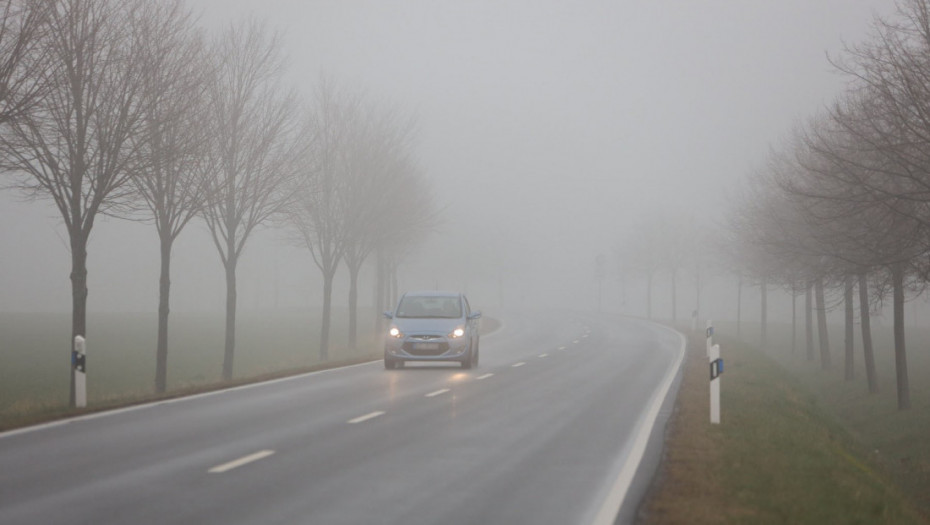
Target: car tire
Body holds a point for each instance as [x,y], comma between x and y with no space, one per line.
[389,364]
[476,355]
[467,362]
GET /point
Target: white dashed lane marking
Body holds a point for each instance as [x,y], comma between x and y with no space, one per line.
[543,355]
[437,393]
[485,376]
[225,467]
[515,365]
[366,417]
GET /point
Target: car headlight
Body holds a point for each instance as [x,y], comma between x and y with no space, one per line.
[458,332]
[395,332]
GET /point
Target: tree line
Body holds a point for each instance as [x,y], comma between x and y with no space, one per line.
[844,203]
[128,108]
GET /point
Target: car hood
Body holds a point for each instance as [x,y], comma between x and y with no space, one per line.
[415,325]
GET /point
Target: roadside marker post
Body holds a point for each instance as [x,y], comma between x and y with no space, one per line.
[710,335]
[716,368]
[79,363]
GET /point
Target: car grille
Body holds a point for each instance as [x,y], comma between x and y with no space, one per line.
[425,345]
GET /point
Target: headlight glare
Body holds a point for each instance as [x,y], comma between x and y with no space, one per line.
[395,332]
[458,332]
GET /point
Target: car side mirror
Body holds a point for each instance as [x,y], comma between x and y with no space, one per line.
[475,315]
[388,314]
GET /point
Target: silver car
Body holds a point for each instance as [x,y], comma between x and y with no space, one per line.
[432,326]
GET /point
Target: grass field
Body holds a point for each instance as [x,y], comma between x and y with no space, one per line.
[35,354]
[898,440]
[793,447]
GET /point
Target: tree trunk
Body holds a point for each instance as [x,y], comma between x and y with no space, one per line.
[809,321]
[825,360]
[794,320]
[865,319]
[739,308]
[230,347]
[900,353]
[78,297]
[380,292]
[850,330]
[765,314]
[164,289]
[327,314]
[353,305]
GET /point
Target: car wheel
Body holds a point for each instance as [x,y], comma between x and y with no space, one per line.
[467,362]
[389,364]
[477,353]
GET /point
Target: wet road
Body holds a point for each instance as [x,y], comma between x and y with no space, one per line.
[547,429]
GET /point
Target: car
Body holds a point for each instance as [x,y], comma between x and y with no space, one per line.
[432,326]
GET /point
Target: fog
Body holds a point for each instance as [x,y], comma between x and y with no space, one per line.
[547,128]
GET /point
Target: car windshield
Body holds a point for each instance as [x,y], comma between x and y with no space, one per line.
[429,307]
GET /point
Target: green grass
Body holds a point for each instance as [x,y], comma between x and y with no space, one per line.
[35,355]
[781,454]
[898,440]
[790,460]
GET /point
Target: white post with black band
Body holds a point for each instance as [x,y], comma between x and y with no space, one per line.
[79,362]
[716,368]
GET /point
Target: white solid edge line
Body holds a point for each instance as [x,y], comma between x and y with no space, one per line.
[515,365]
[438,392]
[485,376]
[133,408]
[366,417]
[225,467]
[614,500]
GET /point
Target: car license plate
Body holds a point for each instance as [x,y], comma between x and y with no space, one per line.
[426,346]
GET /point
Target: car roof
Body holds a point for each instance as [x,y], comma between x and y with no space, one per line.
[432,293]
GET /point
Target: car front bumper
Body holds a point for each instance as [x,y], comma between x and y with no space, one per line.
[425,348]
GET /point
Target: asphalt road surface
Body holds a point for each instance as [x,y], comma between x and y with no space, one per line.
[548,429]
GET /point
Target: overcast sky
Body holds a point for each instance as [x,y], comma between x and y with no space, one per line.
[547,127]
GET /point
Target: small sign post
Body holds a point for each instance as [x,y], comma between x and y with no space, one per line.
[79,362]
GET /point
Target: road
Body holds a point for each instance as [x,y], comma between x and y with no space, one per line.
[545,430]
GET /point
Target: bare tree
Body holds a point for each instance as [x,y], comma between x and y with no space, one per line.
[172,179]
[75,146]
[382,186]
[770,239]
[644,252]
[253,125]
[319,213]
[861,184]
[23,60]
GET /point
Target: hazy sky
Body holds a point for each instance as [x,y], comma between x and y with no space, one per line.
[547,128]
